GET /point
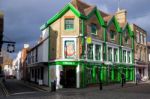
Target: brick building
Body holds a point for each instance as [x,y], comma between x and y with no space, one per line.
[140,48]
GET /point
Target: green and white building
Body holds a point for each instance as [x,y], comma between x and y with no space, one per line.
[80,45]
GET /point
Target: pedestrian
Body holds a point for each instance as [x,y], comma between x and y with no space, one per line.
[137,78]
[123,79]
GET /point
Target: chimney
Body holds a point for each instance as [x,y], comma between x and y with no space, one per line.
[26,45]
[121,16]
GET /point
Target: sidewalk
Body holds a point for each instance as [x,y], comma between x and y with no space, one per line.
[94,88]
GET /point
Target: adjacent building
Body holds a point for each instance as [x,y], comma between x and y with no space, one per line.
[81,45]
[148,57]
[140,48]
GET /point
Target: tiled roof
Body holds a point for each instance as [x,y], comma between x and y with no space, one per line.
[107,18]
[85,8]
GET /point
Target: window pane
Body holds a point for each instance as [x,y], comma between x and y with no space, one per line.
[112,36]
[129,57]
[93,28]
[98,52]
[124,56]
[90,51]
[116,55]
[69,23]
[109,54]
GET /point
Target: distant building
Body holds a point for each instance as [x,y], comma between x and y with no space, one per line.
[1,28]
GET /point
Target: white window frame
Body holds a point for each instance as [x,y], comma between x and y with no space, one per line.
[95,42]
[113,46]
[127,50]
[65,39]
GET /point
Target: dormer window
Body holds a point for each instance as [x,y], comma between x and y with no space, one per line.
[126,37]
[112,35]
[69,23]
[93,29]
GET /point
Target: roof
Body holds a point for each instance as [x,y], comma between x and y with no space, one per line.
[108,18]
[80,9]
[37,45]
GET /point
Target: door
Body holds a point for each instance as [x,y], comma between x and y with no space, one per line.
[69,76]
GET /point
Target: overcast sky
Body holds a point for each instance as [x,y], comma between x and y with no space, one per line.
[23,18]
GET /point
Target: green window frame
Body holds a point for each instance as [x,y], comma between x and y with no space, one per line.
[69,23]
[94,29]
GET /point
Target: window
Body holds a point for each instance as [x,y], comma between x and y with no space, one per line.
[98,52]
[69,24]
[144,39]
[124,56]
[93,28]
[109,54]
[126,37]
[126,40]
[115,55]
[129,56]
[138,36]
[90,51]
[141,37]
[149,57]
[69,49]
[112,35]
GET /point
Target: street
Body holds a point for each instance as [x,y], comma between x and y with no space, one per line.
[19,90]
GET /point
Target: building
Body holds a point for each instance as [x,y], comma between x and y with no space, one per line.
[23,61]
[37,62]
[80,45]
[1,28]
[148,57]
[140,48]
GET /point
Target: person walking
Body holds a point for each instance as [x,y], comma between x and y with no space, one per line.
[137,78]
[123,79]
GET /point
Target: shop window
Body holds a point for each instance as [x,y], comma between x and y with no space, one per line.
[109,54]
[93,29]
[69,23]
[90,51]
[98,52]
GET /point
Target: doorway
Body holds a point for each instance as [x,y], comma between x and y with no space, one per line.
[69,73]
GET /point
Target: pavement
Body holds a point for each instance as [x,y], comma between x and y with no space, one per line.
[113,91]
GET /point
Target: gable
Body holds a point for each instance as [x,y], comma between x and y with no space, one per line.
[128,29]
[115,23]
[76,12]
[60,14]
